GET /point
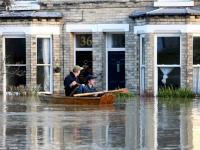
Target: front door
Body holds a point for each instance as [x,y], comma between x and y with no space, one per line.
[116,69]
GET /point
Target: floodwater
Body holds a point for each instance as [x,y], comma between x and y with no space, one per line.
[138,124]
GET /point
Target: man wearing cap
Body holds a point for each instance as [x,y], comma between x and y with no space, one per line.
[89,87]
[72,83]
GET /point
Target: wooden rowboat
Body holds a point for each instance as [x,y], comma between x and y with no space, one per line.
[58,99]
[95,98]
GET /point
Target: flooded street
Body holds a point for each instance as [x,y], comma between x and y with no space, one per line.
[145,124]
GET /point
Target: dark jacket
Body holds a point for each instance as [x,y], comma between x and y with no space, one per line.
[67,81]
[88,89]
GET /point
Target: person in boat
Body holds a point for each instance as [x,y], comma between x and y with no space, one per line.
[71,82]
[89,87]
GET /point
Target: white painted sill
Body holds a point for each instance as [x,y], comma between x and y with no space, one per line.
[173,4]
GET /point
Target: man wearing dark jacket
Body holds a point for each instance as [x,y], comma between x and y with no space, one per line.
[71,82]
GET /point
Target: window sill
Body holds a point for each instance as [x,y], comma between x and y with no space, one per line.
[173,4]
[25,6]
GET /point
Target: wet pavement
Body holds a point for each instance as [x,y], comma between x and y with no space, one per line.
[138,124]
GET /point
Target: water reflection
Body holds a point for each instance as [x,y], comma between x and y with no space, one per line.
[139,124]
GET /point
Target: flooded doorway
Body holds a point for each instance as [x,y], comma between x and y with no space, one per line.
[115,60]
[15,62]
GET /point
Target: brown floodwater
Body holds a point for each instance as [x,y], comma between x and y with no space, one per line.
[137,124]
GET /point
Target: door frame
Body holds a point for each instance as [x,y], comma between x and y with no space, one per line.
[4,56]
[108,40]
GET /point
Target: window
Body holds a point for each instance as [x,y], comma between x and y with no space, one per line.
[44,67]
[196,50]
[25,5]
[173,3]
[142,64]
[83,55]
[196,65]
[168,61]
[116,40]
[15,62]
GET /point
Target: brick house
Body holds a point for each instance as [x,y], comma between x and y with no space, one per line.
[142,45]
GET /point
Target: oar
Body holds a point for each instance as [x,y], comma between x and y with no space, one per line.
[124,90]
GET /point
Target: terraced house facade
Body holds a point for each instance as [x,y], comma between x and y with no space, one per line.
[141,45]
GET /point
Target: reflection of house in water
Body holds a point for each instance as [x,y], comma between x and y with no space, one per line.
[143,124]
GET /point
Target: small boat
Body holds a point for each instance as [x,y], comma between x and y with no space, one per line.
[89,100]
[95,98]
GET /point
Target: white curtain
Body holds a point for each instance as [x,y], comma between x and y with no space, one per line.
[196,80]
[46,60]
[165,71]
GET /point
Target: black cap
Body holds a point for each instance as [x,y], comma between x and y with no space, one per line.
[89,77]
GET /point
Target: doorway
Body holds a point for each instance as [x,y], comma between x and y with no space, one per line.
[116,69]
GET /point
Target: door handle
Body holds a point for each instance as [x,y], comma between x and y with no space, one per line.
[118,67]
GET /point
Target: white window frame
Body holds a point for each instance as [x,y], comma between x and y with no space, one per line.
[171,65]
[173,3]
[4,58]
[25,5]
[51,61]
[80,49]
[108,49]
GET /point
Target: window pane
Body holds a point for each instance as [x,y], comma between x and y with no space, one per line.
[143,52]
[118,40]
[168,50]
[15,76]
[84,59]
[15,50]
[43,78]
[169,76]
[43,51]
[84,40]
[196,50]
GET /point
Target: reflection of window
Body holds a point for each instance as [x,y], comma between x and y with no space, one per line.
[44,64]
[196,50]
[116,40]
[168,49]
[84,40]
